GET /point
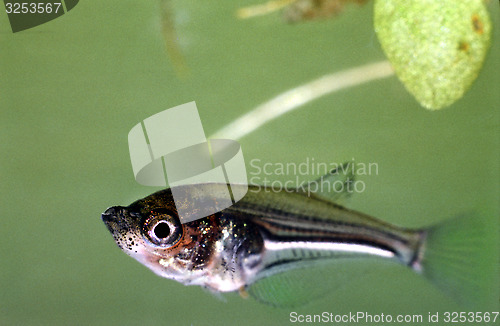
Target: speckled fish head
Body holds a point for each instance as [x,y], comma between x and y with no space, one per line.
[150,231]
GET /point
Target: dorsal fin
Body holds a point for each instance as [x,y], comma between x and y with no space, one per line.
[335,186]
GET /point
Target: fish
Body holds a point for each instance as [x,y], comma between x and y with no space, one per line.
[265,244]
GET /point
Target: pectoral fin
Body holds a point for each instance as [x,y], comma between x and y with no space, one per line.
[301,286]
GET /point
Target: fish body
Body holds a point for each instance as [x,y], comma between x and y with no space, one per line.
[265,233]
[270,233]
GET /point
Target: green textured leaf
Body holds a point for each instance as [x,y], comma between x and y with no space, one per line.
[437,47]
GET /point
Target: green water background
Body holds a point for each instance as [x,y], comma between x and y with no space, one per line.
[71,89]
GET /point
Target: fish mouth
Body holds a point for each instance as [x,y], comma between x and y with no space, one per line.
[113,217]
[111,214]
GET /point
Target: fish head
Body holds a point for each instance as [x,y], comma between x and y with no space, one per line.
[150,231]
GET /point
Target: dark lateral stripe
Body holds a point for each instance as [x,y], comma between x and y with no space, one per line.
[281,220]
[333,240]
[315,235]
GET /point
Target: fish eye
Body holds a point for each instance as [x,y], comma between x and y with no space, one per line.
[162,229]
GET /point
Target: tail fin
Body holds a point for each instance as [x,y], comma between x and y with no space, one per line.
[461,258]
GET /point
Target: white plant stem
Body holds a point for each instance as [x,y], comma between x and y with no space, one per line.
[298,96]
